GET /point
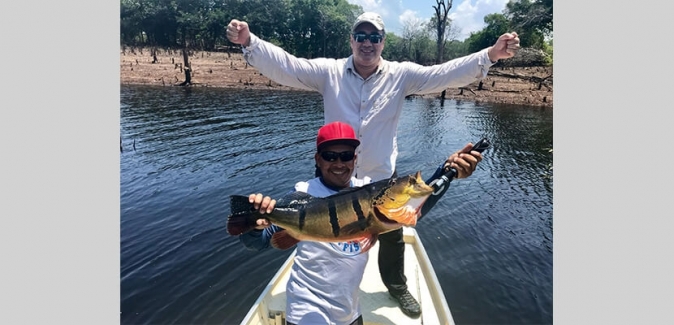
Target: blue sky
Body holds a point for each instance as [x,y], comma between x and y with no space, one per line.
[467,15]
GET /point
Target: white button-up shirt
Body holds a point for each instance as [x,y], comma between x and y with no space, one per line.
[371,106]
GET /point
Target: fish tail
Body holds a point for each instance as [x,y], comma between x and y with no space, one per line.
[242,219]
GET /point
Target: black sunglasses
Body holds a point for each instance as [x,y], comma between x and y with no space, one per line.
[331,156]
[360,37]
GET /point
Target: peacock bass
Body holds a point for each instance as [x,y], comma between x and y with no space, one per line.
[354,214]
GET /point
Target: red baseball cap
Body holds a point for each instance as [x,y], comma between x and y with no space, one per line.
[334,133]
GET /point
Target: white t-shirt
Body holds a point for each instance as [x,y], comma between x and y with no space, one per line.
[325,277]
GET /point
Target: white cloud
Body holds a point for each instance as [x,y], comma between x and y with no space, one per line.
[379,6]
[469,17]
[410,16]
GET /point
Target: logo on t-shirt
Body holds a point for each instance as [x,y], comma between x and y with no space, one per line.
[347,248]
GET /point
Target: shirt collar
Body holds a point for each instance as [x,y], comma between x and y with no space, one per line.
[336,189]
[381,69]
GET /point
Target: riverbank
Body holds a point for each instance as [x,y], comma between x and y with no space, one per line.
[530,86]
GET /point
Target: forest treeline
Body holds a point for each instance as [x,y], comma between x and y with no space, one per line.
[321,28]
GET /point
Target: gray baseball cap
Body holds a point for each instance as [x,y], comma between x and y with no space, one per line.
[369,17]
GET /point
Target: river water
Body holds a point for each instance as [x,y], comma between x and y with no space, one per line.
[186,150]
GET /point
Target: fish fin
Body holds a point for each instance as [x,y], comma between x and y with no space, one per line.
[241,220]
[409,218]
[405,216]
[355,227]
[367,242]
[348,189]
[283,240]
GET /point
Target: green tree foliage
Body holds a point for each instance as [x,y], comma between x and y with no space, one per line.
[306,28]
[532,20]
[321,28]
[530,16]
[415,44]
[497,24]
[393,49]
[455,49]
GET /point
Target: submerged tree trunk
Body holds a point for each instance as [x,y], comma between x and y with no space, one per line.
[188,69]
[154,55]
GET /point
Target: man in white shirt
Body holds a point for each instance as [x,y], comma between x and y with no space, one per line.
[367,92]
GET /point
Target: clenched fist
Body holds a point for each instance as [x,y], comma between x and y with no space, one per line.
[238,32]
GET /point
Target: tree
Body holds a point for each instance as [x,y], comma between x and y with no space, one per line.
[334,20]
[413,32]
[451,34]
[455,49]
[393,50]
[132,14]
[497,25]
[441,11]
[528,15]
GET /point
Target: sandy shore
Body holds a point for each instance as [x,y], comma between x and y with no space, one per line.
[520,86]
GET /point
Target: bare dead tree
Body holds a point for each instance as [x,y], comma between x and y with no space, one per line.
[413,29]
[441,11]
[322,22]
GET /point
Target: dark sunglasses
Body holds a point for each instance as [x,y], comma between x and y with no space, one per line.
[360,37]
[331,156]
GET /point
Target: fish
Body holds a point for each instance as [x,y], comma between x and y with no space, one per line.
[353,214]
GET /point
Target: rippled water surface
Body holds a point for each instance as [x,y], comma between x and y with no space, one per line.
[186,150]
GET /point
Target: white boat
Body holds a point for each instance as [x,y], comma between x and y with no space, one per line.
[377,306]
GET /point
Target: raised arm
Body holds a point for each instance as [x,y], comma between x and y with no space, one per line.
[277,64]
[461,71]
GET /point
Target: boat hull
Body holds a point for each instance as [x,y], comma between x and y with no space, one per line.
[376,304]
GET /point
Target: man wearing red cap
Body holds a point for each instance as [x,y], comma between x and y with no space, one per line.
[367,92]
[323,283]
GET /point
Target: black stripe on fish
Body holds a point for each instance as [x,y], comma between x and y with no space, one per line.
[334,221]
[303,215]
[359,212]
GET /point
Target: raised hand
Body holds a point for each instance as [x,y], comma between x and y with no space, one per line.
[506,46]
[464,161]
[263,205]
[238,32]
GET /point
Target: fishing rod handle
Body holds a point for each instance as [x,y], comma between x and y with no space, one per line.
[448,175]
[480,146]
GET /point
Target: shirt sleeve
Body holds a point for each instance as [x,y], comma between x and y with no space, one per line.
[454,73]
[258,240]
[280,66]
